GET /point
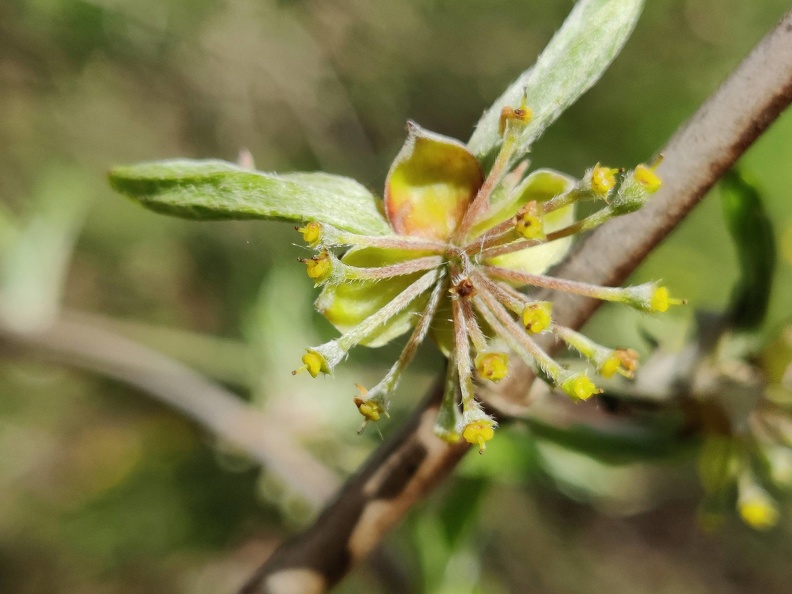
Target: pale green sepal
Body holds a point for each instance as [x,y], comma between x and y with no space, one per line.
[537,259]
[540,186]
[214,189]
[588,41]
[346,305]
[430,185]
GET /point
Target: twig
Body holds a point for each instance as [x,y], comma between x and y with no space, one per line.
[409,466]
[76,341]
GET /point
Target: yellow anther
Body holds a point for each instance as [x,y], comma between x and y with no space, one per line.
[492,366]
[759,513]
[318,267]
[521,115]
[580,387]
[646,176]
[660,300]
[528,222]
[537,317]
[313,363]
[311,232]
[478,433]
[603,179]
[621,361]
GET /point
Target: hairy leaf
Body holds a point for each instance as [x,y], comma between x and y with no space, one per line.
[219,190]
[590,38]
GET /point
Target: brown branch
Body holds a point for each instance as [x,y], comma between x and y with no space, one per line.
[77,341]
[411,464]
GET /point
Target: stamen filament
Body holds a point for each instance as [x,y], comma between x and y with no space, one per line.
[558,284]
[463,360]
[393,307]
[514,246]
[476,335]
[400,269]
[499,318]
[335,238]
[481,202]
[448,415]
[388,384]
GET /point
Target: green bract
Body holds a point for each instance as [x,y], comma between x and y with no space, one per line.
[448,248]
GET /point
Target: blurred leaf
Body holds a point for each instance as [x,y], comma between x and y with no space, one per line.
[650,437]
[460,508]
[34,264]
[717,463]
[590,38]
[218,190]
[752,233]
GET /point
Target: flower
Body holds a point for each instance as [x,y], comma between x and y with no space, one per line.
[461,231]
[462,246]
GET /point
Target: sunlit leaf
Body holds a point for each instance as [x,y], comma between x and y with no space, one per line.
[219,190]
[590,38]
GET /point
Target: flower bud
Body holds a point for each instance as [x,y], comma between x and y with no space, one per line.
[537,316]
[579,387]
[492,366]
[528,222]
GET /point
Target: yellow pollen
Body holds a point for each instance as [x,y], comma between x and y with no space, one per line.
[528,222]
[318,267]
[492,366]
[580,387]
[311,232]
[660,300]
[537,316]
[313,363]
[478,433]
[759,513]
[603,179]
[521,115]
[621,361]
[647,178]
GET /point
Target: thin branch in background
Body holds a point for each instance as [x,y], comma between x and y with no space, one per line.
[75,340]
[409,466]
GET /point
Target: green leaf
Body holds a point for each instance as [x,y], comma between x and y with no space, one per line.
[590,38]
[219,190]
[752,232]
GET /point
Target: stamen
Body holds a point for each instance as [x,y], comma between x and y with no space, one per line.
[331,353]
[332,237]
[392,270]
[617,294]
[448,417]
[379,395]
[462,350]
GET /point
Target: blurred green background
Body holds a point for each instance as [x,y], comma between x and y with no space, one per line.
[104,490]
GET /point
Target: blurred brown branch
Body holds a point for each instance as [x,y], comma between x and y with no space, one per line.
[78,340]
[406,468]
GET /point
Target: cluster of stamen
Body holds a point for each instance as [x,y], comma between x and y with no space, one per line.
[491,317]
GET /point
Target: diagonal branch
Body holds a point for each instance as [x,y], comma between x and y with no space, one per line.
[405,469]
[76,340]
